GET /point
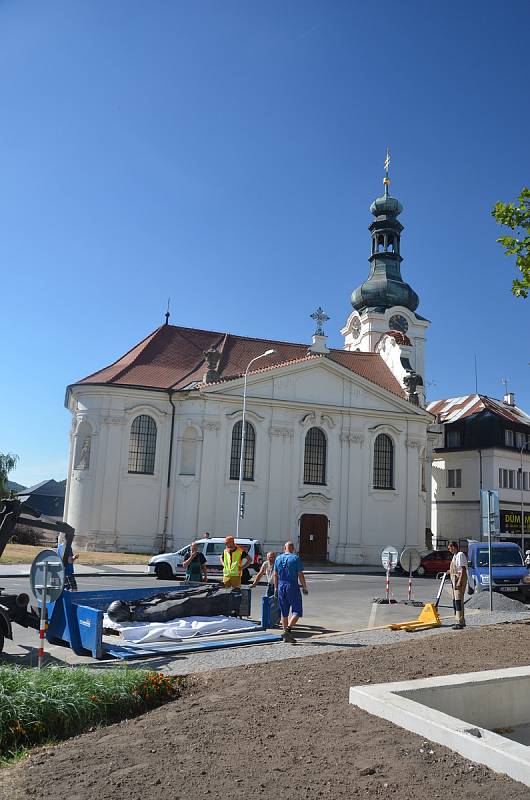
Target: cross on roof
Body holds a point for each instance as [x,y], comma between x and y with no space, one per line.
[320,318]
[386,179]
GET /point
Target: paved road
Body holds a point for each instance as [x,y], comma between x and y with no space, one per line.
[335,602]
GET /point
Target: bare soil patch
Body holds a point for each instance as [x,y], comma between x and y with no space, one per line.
[283,729]
[25,553]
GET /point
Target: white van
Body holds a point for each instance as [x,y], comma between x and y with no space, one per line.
[167,565]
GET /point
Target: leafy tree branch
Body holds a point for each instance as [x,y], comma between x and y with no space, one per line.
[517,218]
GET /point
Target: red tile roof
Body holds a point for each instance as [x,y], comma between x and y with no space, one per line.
[455,408]
[400,337]
[173,358]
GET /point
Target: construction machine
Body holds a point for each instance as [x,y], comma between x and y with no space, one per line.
[15,608]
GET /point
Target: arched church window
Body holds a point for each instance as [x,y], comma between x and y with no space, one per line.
[383,462]
[380,243]
[188,452]
[142,445]
[249,451]
[315,457]
[390,244]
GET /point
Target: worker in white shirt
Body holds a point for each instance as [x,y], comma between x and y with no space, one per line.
[267,570]
[458,576]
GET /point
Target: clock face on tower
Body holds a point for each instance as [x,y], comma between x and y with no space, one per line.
[356,327]
[398,323]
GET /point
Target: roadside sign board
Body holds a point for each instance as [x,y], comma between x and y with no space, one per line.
[389,558]
[409,559]
[47,564]
[489,512]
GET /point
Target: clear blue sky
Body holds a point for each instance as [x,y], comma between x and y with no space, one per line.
[226,154]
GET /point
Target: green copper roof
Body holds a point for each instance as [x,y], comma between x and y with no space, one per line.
[384,287]
[386,205]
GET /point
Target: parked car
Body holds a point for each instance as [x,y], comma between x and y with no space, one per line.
[434,562]
[508,571]
[167,565]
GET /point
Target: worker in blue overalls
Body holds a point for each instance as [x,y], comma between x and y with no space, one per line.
[288,572]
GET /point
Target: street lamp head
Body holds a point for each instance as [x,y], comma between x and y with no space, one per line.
[270,352]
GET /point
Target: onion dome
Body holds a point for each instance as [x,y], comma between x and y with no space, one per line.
[386,205]
[384,287]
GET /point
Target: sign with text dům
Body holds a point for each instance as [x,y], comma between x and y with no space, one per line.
[511,521]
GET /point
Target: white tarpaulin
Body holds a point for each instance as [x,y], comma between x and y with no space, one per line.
[184,628]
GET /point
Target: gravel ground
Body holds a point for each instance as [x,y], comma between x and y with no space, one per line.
[501,602]
[282,729]
[233,657]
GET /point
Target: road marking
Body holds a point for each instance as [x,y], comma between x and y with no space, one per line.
[471,611]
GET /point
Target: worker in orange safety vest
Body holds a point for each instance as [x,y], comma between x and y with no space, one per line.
[234,560]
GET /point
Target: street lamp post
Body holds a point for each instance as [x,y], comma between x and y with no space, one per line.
[241,455]
[523,447]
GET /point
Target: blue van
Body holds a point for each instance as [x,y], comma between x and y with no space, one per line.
[509,573]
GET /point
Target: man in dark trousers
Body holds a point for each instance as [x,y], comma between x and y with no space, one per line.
[66,554]
[288,570]
[195,565]
[458,575]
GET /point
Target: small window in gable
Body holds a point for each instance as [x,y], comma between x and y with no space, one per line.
[453,438]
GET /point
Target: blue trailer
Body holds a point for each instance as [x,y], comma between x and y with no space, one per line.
[77,619]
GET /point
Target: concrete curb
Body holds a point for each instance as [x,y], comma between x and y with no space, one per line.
[87,575]
[488,703]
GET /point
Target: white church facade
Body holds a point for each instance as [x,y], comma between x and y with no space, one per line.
[337,449]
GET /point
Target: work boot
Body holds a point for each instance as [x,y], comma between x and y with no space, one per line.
[459,626]
[288,637]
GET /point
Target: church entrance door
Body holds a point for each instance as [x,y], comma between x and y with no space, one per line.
[314,537]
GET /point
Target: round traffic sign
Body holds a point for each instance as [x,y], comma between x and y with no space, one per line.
[389,558]
[47,564]
[409,559]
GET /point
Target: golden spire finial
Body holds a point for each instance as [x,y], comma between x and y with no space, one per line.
[386,179]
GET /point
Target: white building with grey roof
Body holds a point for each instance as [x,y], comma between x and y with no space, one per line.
[483,443]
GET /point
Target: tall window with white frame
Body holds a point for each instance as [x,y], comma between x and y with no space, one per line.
[504,480]
[142,446]
[315,453]
[383,462]
[454,478]
[248,455]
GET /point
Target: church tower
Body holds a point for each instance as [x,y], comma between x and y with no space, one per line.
[384,306]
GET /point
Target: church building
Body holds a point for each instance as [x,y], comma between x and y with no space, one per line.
[336,452]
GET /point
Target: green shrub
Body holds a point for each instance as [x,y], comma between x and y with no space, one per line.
[57,702]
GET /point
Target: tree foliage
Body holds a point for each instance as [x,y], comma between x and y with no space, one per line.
[517,218]
[8,462]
